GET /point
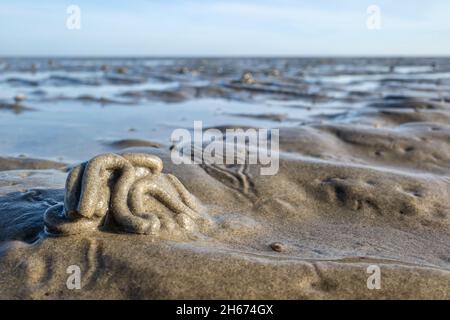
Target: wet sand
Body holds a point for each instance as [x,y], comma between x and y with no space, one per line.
[364,180]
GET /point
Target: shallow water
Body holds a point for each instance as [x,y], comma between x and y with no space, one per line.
[79,105]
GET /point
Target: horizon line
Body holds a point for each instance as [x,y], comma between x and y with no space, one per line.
[212,56]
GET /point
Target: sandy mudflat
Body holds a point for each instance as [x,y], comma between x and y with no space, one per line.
[365,185]
[14,163]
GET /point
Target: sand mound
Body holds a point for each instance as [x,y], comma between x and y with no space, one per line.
[129,143]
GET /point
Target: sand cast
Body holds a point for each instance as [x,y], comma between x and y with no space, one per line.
[118,187]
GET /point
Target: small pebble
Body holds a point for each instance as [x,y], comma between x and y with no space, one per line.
[247,78]
[278,247]
[122,70]
[19,98]
[275,73]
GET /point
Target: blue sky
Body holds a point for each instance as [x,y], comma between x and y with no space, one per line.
[220,28]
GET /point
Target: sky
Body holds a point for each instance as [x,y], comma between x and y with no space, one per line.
[225,28]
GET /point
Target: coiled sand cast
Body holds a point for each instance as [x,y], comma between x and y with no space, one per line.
[129,189]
